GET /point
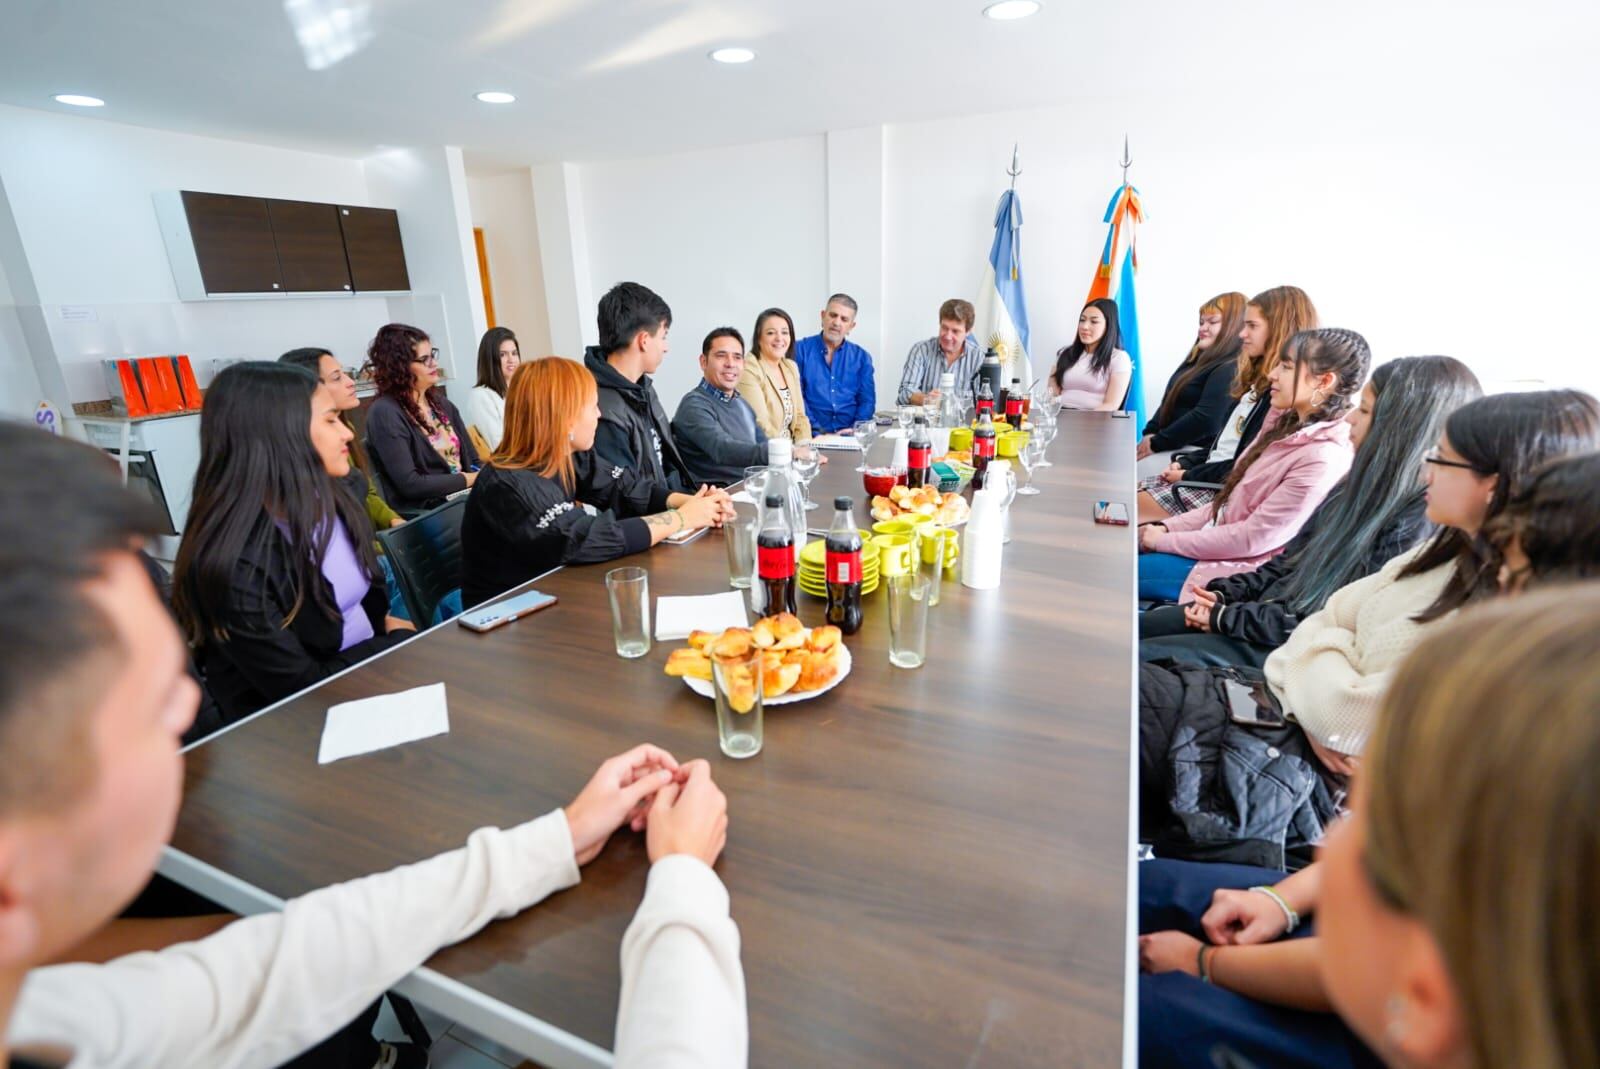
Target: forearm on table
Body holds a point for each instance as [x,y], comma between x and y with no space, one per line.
[1285,973]
[129,935]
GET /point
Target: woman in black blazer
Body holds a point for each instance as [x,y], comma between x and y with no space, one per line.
[276,584]
[416,437]
[1197,400]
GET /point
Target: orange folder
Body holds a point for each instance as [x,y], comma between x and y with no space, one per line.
[160,384]
[131,391]
[191,389]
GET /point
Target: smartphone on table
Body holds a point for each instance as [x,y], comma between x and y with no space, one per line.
[1112,512]
[489,617]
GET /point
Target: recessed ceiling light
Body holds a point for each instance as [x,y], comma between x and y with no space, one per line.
[1006,10]
[78,100]
[496,97]
[733,55]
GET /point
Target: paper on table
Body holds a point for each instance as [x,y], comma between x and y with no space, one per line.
[742,497]
[676,617]
[835,441]
[385,720]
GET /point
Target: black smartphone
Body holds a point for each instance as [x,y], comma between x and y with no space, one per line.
[1245,708]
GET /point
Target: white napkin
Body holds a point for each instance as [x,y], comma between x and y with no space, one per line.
[742,497]
[676,617]
[835,441]
[383,721]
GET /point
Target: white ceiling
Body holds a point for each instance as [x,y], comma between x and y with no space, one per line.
[621,78]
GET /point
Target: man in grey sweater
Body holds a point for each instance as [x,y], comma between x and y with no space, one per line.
[715,428]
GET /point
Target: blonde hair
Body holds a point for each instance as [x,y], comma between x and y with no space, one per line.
[1287,311]
[1483,819]
[543,400]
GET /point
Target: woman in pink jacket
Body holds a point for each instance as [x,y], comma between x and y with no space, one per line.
[1303,450]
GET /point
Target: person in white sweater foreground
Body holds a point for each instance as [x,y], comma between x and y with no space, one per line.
[1249,767]
[93,699]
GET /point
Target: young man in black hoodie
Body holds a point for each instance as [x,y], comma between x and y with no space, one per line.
[635,431]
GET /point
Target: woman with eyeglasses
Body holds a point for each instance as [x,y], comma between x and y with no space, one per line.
[416,436]
[1250,766]
[1264,995]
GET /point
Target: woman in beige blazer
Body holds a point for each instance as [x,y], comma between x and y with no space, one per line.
[769,373]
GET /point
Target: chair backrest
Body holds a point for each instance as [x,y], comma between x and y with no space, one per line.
[380,478]
[425,554]
[480,443]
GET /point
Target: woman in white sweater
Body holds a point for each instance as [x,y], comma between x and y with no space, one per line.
[498,358]
[1249,767]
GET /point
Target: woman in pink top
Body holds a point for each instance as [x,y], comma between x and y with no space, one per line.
[1093,373]
[1303,450]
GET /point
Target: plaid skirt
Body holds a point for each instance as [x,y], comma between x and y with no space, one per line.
[1176,497]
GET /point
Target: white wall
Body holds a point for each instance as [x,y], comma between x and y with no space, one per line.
[19,384]
[719,234]
[502,206]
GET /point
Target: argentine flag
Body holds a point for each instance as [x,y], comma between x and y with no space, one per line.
[1002,312]
[1114,277]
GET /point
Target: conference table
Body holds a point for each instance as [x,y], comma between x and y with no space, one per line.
[928,867]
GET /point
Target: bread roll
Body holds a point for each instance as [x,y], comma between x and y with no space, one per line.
[691,664]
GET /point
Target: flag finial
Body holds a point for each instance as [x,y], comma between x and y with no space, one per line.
[1127,160]
[1016,166]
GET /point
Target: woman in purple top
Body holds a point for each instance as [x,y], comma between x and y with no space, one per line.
[276,585]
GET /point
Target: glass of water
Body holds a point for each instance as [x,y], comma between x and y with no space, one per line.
[908,619]
[739,534]
[866,434]
[737,683]
[807,462]
[629,591]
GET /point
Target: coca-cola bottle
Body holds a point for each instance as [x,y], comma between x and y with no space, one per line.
[775,559]
[1014,405]
[982,450]
[985,402]
[844,568]
[919,455]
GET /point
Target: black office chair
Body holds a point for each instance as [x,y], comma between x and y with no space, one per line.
[425,554]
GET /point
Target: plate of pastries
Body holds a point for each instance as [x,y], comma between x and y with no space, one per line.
[948,510]
[797,662]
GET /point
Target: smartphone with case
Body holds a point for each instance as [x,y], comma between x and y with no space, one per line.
[1244,707]
[1112,512]
[501,613]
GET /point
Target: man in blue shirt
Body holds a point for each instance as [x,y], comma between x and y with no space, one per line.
[835,374]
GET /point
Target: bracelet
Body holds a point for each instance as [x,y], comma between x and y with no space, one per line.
[1289,914]
[1200,963]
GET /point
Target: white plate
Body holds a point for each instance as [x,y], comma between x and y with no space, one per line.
[703,687]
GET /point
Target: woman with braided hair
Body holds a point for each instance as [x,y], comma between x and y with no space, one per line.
[417,438]
[1302,452]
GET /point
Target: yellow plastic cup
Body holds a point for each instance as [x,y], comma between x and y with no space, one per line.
[894,554]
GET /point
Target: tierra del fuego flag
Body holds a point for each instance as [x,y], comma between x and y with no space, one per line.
[1001,322]
[1114,278]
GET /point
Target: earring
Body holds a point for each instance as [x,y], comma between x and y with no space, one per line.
[1395,1028]
[570,438]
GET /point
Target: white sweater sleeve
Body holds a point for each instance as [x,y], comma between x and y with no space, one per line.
[683,1003]
[268,987]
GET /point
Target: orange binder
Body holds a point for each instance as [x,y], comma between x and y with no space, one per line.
[191,389]
[160,384]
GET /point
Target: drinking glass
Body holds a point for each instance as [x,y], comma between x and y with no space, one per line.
[929,558]
[1029,457]
[739,534]
[907,414]
[1045,429]
[807,461]
[755,483]
[866,434]
[629,591]
[908,620]
[737,684]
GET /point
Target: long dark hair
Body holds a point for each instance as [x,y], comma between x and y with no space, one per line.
[1556,520]
[261,492]
[1230,306]
[1343,352]
[1415,396]
[1509,435]
[391,354]
[490,373]
[755,335]
[1109,342]
[310,358]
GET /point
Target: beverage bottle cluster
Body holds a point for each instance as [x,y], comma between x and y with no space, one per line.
[844,568]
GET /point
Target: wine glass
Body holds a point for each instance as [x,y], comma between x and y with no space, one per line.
[906,415]
[1044,430]
[1029,456]
[807,461]
[866,434]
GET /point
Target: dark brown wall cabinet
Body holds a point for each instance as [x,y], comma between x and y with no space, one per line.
[224,245]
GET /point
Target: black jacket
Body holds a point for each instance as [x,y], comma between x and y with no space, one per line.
[519,524]
[635,431]
[1198,471]
[1199,411]
[416,475]
[1251,606]
[263,659]
[208,717]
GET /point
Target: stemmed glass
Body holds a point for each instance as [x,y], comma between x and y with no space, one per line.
[1044,431]
[866,434]
[807,461]
[1029,457]
[907,415]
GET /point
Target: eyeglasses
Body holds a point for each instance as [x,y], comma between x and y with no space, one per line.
[432,358]
[1440,462]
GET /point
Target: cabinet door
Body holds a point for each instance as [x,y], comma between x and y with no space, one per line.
[372,245]
[310,246]
[233,243]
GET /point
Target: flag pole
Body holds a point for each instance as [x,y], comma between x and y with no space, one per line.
[1016,167]
[1127,160]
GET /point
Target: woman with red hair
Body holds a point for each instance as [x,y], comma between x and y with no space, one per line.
[526,514]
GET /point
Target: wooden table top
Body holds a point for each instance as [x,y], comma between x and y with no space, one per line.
[927,867]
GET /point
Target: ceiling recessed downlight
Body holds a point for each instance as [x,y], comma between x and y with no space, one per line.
[78,100]
[733,55]
[1006,10]
[494,96]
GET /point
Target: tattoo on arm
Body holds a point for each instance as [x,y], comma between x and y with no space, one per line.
[668,518]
